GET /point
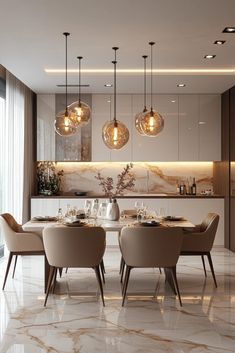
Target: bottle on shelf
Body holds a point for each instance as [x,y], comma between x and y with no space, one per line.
[60,215]
[194,187]
[182,188]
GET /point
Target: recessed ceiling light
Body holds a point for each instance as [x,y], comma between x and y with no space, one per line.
[202,123]
[172,101]
[181,85]
[108,85]
[209,56]
[229,30]
[109,101]
[219,42]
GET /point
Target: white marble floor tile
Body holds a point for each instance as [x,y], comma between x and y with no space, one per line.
[75,320]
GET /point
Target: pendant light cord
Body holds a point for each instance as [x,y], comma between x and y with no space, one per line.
[145,57]
[66,34]
[115,83]
[79,79]
[151,70]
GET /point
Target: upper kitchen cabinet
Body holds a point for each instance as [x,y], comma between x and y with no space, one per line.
[163,147]
[188,128]
[200,127]
[102,111]
[210,127]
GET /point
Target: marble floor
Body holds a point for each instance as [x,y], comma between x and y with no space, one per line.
[75,320]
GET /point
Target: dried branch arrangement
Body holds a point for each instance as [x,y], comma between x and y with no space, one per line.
[125,180]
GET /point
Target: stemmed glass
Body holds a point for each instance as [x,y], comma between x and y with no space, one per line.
[140,208]
[87,208]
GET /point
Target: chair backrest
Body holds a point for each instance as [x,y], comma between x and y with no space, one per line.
[74,247]
[211,224]
[207,221]
[151,247]
[16,239]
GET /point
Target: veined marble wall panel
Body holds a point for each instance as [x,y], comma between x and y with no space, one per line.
[151,178]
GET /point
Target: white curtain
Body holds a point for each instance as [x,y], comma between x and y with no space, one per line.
[16,149]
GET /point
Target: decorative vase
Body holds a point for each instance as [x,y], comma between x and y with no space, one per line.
[112,212]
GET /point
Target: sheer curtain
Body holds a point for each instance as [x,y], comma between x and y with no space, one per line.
[16,149]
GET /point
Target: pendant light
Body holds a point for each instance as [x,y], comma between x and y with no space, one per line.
[114,133]
[80,111]
[139,116]
[152,123]
[64,126]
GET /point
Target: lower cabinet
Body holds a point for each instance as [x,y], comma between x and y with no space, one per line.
[192,209]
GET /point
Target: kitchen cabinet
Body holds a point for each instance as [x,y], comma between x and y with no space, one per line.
[163,147]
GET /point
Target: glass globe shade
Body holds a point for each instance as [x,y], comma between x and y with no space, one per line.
[151,123]
[138,118]
[80,113]
[115,134]
[64,126]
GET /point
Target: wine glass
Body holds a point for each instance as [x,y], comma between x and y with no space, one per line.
[87,208]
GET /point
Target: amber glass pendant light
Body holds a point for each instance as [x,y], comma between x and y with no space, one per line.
[80,111]
[64,126]
[114,133]
[152,123]
[139,116]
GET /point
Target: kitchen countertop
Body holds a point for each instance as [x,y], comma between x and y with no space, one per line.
[130,196]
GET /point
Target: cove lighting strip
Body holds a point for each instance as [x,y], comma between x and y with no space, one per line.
[140,71]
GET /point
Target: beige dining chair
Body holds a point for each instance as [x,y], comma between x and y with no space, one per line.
[18,241]
[151,247]
[81,247]
[200,241]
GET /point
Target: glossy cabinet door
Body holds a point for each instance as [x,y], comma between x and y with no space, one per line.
[45,127]
[210,127]
[188,127]
[101,112]
[164,146]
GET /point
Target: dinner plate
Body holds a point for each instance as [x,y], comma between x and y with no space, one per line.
[150,224]
[173,218]
[75,224]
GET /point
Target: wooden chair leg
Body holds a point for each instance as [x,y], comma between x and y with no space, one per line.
[51,276]
[102,273]
[126,281]
[102,266]
[13,273]
[7,269]
[122,271]
[97,272]
[203,262]
[174,278]
[212,268]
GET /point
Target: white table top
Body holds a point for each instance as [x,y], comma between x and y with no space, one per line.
[109,226]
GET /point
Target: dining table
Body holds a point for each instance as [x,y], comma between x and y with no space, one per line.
[37,227]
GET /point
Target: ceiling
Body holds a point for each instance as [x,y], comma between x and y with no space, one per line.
[31,41]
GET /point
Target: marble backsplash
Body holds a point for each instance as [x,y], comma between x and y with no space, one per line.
[151,177]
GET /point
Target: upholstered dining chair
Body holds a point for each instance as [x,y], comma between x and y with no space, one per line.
[81,247]
[200,241]
[144,247]
[18,241]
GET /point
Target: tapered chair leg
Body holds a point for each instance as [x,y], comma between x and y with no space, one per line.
[97,272]
[54,280]
[122,262]
[203,262]
[126,281]
[66,271]
[51,276]
[13,273]
[102,273]
[7,269]
[174,278]
[160,270]
[102,266]
[122,271]
[212,268]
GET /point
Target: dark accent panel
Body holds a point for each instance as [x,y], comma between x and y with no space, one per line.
[232,167]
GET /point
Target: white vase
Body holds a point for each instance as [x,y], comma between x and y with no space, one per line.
[112,212]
